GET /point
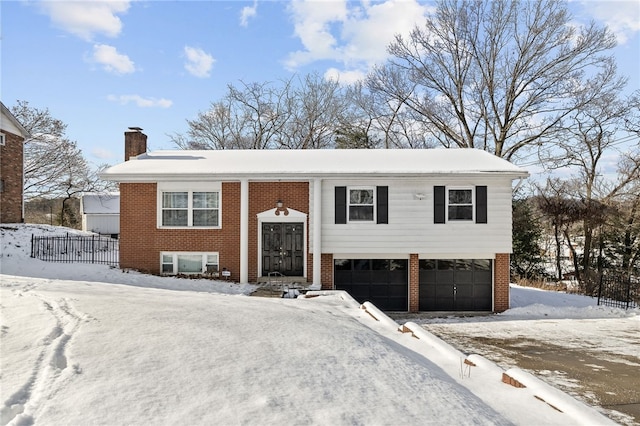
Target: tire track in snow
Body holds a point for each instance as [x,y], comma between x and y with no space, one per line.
[50,372]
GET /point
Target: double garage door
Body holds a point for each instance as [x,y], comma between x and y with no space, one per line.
[445,285]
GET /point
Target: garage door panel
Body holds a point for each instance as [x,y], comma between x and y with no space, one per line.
[463,277]
[383,282]
[379,291]
[455,285]
[398,277]
[464,290]
[394,303]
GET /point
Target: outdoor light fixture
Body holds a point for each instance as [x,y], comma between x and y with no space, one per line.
[419,195]
[279,204]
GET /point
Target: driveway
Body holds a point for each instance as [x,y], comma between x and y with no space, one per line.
[595,360]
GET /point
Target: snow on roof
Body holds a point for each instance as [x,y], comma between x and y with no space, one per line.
[297,163]
[10,123]
[101,203]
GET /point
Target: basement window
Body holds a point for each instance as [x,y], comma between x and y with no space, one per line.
[188,263]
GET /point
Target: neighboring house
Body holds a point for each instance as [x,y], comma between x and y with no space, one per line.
[408,230]
[12,137]
[101,213]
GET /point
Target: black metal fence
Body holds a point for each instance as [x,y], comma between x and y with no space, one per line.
[619,291]
[76,249]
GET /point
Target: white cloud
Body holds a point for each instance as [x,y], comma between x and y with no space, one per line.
[140,101]
[86,18]
[102,154]
[622,17]
[344,77]
[111,60]
[247,13]
[199,63]
[353,34]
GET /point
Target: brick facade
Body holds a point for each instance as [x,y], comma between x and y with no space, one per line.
[501,280]
[414,283]
[263,197]
[326,271]
[141,241]
[12,175]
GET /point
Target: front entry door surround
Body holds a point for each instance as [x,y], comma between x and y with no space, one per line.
[283,248]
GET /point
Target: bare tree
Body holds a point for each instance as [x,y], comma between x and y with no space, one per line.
[497,75]
[298,113]
[561,212]
[589,135]
[54,166]
[386,119]
[48,153]
[317,106]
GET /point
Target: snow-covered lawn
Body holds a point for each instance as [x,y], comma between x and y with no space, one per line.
[88,344]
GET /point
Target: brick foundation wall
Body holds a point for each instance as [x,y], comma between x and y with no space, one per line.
[12,169]
[501,282]
[262,197]
[414,283]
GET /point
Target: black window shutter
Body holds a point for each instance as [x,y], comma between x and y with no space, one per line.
[341,204]
[481,204]
[438,204]
[382,204]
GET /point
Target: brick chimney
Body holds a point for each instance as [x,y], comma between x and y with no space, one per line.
[135,142]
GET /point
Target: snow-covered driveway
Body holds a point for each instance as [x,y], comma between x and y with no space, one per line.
[591,352]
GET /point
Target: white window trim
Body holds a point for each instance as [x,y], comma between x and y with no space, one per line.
[175,255]
[190,188]
[375,210]
[3,139]
[473,204]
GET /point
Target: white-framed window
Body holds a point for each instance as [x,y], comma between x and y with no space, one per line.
[2,139]
[188,263]
[460,204]
[361,204]
[189,205]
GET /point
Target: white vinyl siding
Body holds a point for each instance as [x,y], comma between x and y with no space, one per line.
[101,223]
[411,227]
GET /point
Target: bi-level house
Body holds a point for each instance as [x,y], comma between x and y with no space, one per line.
[408,230]
[12,137]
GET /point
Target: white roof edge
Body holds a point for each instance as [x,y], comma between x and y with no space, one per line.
[136,178]
[14,120]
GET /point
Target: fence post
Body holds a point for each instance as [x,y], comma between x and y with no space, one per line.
[600,289]
[628,291]
[32,250]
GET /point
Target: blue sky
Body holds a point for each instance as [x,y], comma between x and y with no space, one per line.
[104,66]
